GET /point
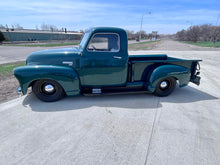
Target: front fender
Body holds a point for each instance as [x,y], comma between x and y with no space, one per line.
[65,76]
[180,73]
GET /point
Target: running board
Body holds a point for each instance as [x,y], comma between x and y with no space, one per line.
[109,91]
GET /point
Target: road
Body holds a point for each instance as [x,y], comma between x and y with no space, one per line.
[178,46]
[9,54]
[138,129]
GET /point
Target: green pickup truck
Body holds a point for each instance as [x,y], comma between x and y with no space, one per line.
[101,65]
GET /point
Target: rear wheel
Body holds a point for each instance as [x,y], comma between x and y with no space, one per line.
[48,90]
[165,86]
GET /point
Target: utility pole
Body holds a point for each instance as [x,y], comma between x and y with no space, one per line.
[141,24]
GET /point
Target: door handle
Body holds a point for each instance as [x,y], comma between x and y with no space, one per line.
[117,57]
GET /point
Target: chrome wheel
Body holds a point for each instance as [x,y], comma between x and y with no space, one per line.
[48,90]
[165,86]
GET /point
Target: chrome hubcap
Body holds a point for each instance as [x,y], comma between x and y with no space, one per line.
[163,84]
[49,88]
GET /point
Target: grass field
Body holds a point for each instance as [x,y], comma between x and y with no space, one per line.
[7,69]
[141,45]
[43,45]
[203,43]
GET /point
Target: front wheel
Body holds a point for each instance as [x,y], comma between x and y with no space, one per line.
[165,86]
[48,90]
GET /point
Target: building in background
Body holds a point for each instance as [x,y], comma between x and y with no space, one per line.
[38,35]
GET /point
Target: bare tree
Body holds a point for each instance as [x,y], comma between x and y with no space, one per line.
[193,33]
[82,31]
[215,34]
[2,27]
[204,32]
[143,34]
[45,26]
[53,28]
[131,35]
[181,35]
[17,26]
[48,27]
[36,27]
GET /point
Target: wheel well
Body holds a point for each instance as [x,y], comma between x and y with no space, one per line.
[173,77]
[32,83]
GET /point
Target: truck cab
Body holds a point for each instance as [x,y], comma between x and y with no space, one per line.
[104,57]
[101,64]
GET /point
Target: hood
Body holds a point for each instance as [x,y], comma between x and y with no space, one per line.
[63,56]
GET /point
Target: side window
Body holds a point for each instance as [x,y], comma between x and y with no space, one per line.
[104,42]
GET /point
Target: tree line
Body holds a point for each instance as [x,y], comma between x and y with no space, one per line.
[135,36]
[196,33]
[43,27]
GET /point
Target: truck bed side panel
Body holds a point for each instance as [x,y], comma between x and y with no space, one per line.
[142,69]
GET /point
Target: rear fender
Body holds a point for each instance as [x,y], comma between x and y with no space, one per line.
[65,76]
[180,73]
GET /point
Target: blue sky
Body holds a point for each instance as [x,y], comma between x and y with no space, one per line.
[167,16]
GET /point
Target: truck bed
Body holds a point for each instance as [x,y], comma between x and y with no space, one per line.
[142,65]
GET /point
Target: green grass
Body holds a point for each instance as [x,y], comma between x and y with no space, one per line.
[7,69]
[146,42]
[43,45]
[203,43]
[140,45]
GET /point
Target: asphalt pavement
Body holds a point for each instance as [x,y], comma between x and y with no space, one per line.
[134,129]
[9,54]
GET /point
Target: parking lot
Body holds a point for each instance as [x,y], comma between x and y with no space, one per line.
[134,129]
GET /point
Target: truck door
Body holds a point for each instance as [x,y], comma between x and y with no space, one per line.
[104,64]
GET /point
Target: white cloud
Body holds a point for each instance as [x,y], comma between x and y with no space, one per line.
[81,15]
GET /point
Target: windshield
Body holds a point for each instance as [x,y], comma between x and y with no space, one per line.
[84,40]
